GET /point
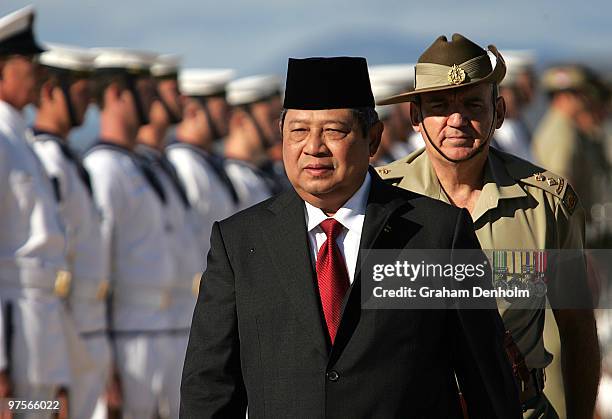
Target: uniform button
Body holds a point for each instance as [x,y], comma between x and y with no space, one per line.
[333,375]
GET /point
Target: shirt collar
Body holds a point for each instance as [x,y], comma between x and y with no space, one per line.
[350,215]
[498,185]
[13,118]
[423,178]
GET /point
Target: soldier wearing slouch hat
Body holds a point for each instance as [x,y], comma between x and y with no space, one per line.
[513,203]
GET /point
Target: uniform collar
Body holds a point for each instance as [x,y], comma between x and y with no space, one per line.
[498,183]
[558,118]
[148,151]
[424,179]
[351,215]
[36,132]
[13,118]
[177,142]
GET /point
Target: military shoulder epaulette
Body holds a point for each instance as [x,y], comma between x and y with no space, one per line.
[393,172]
[555,185]
[530,174]
[387,173]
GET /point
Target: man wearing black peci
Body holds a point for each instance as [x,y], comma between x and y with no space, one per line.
[279,326]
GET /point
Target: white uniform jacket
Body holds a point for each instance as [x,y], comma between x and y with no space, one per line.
[134,228]
[32,254]
[208,194]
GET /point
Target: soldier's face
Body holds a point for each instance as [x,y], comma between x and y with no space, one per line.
[326,154]
[266,115]
[459,121]
[19,81]
[220,113]
[169,92]
[80,95]
[146,88]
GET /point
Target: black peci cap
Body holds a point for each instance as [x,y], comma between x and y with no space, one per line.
[328,83]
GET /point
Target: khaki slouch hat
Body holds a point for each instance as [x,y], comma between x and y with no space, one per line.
[452,64]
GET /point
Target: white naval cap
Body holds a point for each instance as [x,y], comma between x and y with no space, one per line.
[390,80]
[166,65]
[400,75]
[253,89]
[67,57]
[517,63]
[204,81]
[124,59]
[17,34]
[382,90]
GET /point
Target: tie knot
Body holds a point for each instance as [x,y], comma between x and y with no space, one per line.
[331,228]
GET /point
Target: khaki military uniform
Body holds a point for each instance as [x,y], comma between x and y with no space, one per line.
[521,206]
[559,146]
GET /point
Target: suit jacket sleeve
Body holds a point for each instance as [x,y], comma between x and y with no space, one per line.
[212,384]
[481,364]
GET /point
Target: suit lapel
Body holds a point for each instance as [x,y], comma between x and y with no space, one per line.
[289,249]
[383,201]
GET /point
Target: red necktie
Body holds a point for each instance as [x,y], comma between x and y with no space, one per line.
[332,276]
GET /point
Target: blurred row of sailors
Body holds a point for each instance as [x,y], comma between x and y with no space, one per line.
[102,253]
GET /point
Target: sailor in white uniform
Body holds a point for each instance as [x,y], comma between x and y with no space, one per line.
[62,104]
[166,111]
[134,227]
[253,129]
[397,77]
[390,115]
[514,136]
[33,275]
[211,194]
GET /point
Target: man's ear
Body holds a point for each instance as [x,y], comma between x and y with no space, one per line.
[190,108]
[236,117]
[415,116]
[375,135]
[112,93]
[46,91]
[500,111]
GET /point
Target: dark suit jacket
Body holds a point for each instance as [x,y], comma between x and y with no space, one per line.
[258,335]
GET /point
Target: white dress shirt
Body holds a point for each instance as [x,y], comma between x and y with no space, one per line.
[351,215]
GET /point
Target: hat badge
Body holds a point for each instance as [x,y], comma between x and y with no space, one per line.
[456,75]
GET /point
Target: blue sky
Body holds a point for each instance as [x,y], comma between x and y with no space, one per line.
[259,35]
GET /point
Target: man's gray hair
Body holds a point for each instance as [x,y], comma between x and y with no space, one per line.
[367,117]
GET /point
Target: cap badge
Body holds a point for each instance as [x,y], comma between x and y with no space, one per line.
[539,177]
[456,75]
